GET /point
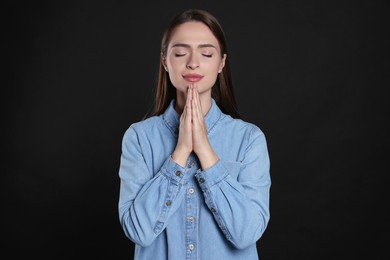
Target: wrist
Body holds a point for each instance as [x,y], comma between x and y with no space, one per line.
[180,157]
[207,158]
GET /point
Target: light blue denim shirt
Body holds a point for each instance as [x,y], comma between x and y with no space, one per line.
[174,212]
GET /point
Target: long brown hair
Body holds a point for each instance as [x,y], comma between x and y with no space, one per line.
[222,91]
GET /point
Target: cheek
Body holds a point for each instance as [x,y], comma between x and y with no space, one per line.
[174,64]
[174,71]
[214,64]
[213,67]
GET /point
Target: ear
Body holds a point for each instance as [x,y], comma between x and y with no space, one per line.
[164,62]
[222,63]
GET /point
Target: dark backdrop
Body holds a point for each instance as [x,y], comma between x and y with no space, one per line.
[313,75]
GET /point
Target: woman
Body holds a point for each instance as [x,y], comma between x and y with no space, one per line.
[194,177]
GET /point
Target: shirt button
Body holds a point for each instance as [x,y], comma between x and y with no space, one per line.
[191,190]
[168,203]
[191,247]
[191,220]
[201,180]
[191,163]
[178,173]
[213,210]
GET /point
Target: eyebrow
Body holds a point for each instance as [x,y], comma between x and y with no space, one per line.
[206,45]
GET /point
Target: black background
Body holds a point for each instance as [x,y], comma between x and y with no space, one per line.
[313,75]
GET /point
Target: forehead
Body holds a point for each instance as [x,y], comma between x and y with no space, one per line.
[193,33]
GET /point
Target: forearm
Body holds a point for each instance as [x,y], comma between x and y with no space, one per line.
[207,157]
[145,213]
[180,156]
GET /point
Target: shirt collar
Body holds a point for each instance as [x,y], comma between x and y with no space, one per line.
[172,118]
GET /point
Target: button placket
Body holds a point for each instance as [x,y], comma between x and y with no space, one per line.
[191,163]
[191,220]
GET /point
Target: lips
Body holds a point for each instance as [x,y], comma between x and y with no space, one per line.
[192,77]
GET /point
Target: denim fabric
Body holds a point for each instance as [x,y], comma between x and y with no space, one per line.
[174,212]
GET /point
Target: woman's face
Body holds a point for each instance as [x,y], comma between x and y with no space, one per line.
[193,56]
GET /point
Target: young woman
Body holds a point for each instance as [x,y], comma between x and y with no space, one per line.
[194,177]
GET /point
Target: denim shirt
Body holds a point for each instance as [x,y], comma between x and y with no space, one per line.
[174,212]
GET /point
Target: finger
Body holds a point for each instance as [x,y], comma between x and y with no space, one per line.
[197,104]
[189,100]
[184,113]
[193,110]
[194,105]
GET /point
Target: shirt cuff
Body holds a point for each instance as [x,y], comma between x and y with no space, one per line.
[173,171]
[211,176]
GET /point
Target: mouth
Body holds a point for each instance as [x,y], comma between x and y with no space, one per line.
[192,77]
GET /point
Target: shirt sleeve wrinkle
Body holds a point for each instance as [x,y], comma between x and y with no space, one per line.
[143,212]
[240,205]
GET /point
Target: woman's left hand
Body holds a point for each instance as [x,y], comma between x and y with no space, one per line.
[200,141]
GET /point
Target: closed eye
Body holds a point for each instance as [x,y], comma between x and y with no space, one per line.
[208,55]
[179,55]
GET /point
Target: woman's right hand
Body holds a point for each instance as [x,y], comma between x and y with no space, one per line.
[184,145]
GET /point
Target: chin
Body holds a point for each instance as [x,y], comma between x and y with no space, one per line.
[181,88]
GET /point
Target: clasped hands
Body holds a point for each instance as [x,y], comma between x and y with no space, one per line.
[193,133]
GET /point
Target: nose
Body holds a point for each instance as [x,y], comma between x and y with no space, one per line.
[192,63]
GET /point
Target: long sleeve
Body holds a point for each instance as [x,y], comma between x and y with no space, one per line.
[146,200]
[240,205]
